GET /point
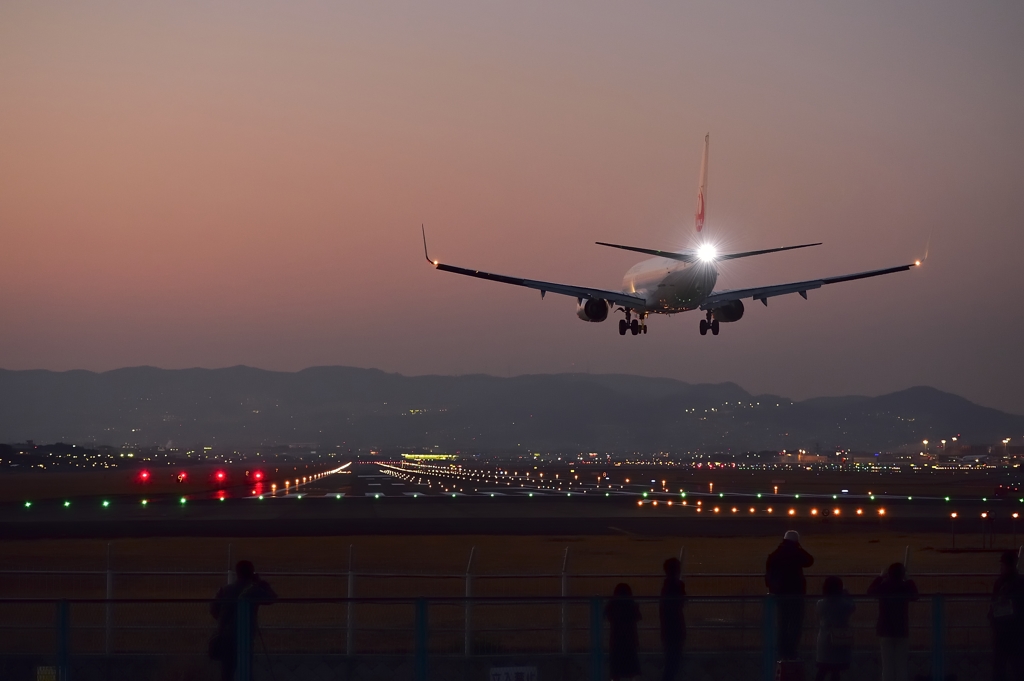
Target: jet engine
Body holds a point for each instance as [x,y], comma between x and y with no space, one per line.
[730,312]
[593,310]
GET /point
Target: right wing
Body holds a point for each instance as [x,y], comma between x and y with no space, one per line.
[763,293]
[579,292]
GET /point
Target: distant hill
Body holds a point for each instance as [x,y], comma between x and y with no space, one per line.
[363,408]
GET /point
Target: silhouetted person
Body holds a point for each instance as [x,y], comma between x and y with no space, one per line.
[1007,617]
[834,635]
[784,577]
[623,615]
[670,611]
[224,608]
[894,593]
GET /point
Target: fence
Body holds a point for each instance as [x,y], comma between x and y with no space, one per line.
[445,638]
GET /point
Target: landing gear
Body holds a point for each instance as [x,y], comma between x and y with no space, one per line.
[634,325]
[709,324]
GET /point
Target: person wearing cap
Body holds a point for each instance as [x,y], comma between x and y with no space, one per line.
[1006,614]
[894,592]
[247,587]
[784,577]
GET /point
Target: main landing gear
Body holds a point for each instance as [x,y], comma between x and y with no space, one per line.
[709,323]
[634,326]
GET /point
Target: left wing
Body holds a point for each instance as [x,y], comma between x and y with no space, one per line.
[763,293]
[579,292]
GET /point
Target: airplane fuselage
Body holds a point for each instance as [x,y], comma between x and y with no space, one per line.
[670,286]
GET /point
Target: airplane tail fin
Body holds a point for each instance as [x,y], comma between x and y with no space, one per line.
[702,188]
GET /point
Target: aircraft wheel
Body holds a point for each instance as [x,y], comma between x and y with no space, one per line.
[703,327]
[644,327]
[634,327]
[714,327]
[622,327]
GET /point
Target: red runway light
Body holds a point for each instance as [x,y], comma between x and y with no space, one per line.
[144,476]
[182,476]
[220,476]
[258,475]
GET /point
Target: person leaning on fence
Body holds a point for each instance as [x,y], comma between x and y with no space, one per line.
[623,615]
[247,587]
[1007,617]
[784,577]
[670,612]
[894,593]
[834,635]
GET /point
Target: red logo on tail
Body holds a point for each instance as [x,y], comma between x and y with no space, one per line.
[699,215]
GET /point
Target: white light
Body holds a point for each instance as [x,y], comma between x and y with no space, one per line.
[707,252]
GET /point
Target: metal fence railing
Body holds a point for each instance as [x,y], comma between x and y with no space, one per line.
[444,638]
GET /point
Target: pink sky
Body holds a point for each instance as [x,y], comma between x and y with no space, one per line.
[191,184]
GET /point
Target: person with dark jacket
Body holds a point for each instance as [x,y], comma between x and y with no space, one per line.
[834,635]
[894,593]
[1006,615]
[623,614]
[784,577]
[247,587]
[670,612]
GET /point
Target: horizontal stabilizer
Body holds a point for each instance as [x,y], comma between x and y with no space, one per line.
[691,256]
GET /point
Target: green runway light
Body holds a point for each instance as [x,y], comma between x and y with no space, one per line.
[28,504]
[758,495]
[872,497]
[721,495]
[947,498]
[223,498]
[492,494]
[645,495]
[568,494]
[66,504]
[338,496]
[834,496]
[105,503]
[260,497]
[377,496]
[298,496]
[796,496]
[910,498]
[183,500]
[531,494]
[682,495]
[145,502]
[606,494]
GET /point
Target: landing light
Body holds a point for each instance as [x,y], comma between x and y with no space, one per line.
[707,252]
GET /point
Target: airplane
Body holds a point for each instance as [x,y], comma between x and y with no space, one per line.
[672,282]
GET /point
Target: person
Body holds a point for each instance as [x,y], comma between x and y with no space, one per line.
[894,593]
[623,614]
[1006,615]
[784,577]
[673,624]
[224,608]
[834,635]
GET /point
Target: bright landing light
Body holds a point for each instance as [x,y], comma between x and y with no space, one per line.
[707,252]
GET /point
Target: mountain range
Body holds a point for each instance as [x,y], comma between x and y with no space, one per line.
[345,407]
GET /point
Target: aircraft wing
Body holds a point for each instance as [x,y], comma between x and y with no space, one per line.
[617,297]
[763,293]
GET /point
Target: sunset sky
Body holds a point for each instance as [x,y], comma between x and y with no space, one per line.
[209,184]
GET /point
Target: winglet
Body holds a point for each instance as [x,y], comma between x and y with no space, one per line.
[432,262]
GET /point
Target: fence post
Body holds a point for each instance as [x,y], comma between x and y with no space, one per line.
[768,639]
[595,640]
[243,641]
[63,641]
[938,638]
[349,613]
[422,640]
[108,614]
[565,604]
[468,647]
[230,573]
